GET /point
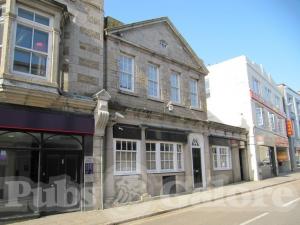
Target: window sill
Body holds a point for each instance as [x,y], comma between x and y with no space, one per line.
[196,109]
[155,99]
[165,172]
[178,105]
[223,169]
[29,79]
[126,174]
[128,93]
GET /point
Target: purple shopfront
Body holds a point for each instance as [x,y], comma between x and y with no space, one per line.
[41,160]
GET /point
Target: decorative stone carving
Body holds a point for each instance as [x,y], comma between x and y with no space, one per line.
[101,113]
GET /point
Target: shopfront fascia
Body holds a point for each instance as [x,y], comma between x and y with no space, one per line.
[41,160]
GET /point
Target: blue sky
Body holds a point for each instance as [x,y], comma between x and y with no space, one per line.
[267,31]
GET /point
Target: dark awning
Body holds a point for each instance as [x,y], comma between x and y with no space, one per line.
[36,119]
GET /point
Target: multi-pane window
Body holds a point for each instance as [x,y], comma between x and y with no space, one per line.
[291,104]
[1,30]
[126,155]
[272,121]
[32,40]
[193,88]
[267,94]
[221,158]
[280,125]
[151,156]
[126,73]
[207,87]
[259,116]
[175,87]
[167,156]
[164,157]
[256,86]
[179,157]
[153,81]
[277,102]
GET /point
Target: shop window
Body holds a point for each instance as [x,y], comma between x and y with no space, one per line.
[164,157]
[32,43]
[68,142]
[126,155]
[21,166]
[221,158]
[19,140]
[151,156]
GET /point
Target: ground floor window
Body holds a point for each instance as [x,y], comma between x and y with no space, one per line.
[164,157]
[221,158]
[126,154]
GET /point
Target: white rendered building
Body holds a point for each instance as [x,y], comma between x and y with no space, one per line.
[241,93]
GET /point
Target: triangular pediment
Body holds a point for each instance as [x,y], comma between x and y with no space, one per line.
[160,36]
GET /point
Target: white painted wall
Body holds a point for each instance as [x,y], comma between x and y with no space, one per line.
[230,100]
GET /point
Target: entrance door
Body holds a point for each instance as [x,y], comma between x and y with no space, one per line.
[197,170]
[241,164]
[61,181]
[273,161]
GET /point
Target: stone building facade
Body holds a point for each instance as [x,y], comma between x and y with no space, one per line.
[157,137]
[53,107]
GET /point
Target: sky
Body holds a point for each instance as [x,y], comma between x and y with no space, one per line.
[266,31]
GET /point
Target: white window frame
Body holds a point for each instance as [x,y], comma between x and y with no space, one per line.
[158,168]
[151,160]
[217,155]
[277,102]
[156,68]
[194,94]
[121,71]
[272,121]
[267,94]
[138,159]
[34,25]
[259,111]
[256,86]
[175,88]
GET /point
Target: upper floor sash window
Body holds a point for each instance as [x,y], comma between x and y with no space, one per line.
[32,49]
[126,73]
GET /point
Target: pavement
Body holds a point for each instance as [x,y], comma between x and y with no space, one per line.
[276,205]
[133,212]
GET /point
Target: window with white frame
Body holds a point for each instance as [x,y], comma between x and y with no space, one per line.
[151,156]
[1,29]
[32,43]
[167,156]
[126,154]
[221,158]
[179,157]
[194,96]
[272,121]
[280,125]
[175,87]
[153,81]
[259,116]
[164,157]
[291,104]
[267,94]
[277,102]
[207,87]
[256,86]
[126,72]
